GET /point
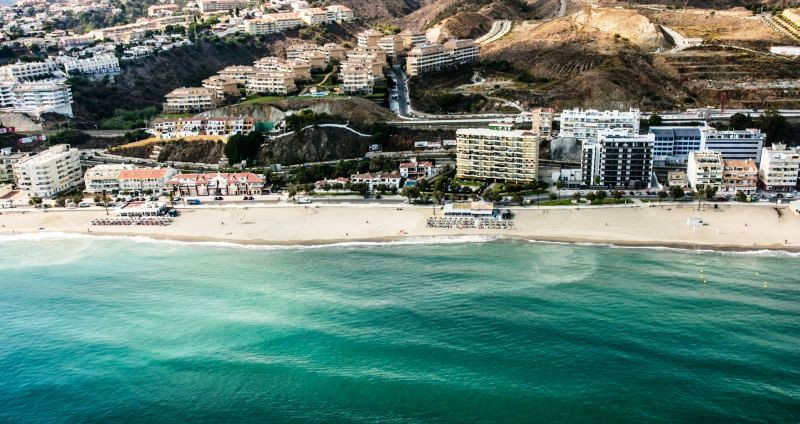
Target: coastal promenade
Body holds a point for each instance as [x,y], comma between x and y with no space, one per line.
[730,226]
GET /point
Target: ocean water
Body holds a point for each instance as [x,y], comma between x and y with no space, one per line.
[98,330]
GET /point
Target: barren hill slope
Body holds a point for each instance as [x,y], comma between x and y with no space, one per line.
[597,56]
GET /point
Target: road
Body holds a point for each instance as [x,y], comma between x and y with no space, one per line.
[562,9]
[498,30]
[93,133]
[402,91]
[680,40]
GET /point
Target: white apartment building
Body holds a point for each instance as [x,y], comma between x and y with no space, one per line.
[51,172]
[739,176]
[191,99]
[357,78]
[103,178]
[779,168]
[426,58]
[412,39]
[28,70]
[462,51]
[145,179]
[369,38]
[430,57]
[497,154]
[273,23]
[74,41]
[316,16]
[340,13]
[223,87]
[37,98]
[296,51]
[334,51]
[212,6]
[238,73]
[271,82]
[209,126]
[704,169]
[585,124]
[98,64]
[617,158]
[298,68]
[7,161]
[391,44]
[158,10]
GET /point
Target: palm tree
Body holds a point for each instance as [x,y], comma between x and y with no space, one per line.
[559,186]
[661,195]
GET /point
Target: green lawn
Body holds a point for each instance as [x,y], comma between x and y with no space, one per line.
[470,183]
[557,202]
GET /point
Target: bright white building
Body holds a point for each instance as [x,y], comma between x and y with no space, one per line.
[704,169]
[373,180]
[357,78]
[51,172]
[98,64]
[584,124]
[779,168]
[37,98]
[29,70]
[417,169]
[340,13]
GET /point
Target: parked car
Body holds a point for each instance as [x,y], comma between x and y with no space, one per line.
[83,205]
[219,198]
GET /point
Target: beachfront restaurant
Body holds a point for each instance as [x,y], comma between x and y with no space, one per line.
[474,210]
[142,209]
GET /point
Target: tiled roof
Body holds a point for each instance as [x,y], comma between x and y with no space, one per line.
[144,173]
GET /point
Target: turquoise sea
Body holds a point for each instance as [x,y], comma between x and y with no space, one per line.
[133,331]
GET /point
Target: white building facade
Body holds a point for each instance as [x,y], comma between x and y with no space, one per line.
[56,170]
[585,124]
[779,168]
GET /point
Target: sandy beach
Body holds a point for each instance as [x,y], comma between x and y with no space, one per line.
[731,226]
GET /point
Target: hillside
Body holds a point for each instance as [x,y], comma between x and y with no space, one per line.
[707,4]
[435,14]
[144,82]
[355,109]
[371,9]
[595,57]
[733,27]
